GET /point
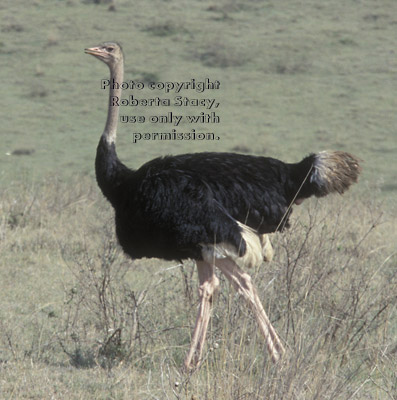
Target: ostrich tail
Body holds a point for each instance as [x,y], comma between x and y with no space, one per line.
[333,171]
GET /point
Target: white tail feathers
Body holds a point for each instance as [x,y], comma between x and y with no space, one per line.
[334,171]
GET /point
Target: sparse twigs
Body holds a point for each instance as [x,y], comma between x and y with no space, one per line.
[339,295]
[101,291]
[187,273]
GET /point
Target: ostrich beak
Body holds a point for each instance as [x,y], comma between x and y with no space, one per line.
[95,51]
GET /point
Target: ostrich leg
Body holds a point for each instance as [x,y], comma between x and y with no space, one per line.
[208,285]
[242,282]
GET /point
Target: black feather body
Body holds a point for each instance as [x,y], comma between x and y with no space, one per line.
[172,205]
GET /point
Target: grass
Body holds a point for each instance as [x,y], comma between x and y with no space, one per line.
[79,320]
[79,316]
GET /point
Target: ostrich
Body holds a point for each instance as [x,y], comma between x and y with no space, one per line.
[214,208]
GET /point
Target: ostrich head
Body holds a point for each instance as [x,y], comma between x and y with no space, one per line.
[110,53]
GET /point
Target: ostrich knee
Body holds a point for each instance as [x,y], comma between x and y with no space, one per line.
[208,288]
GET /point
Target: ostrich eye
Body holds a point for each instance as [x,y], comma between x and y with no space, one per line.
[109,49]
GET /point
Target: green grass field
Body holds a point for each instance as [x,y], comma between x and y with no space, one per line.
[78,320]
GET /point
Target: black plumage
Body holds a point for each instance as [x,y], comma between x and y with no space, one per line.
[170,206]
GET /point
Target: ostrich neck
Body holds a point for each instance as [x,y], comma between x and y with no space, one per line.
[110,172]
[116,79]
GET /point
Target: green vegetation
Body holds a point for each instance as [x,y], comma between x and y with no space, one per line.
[80,321]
